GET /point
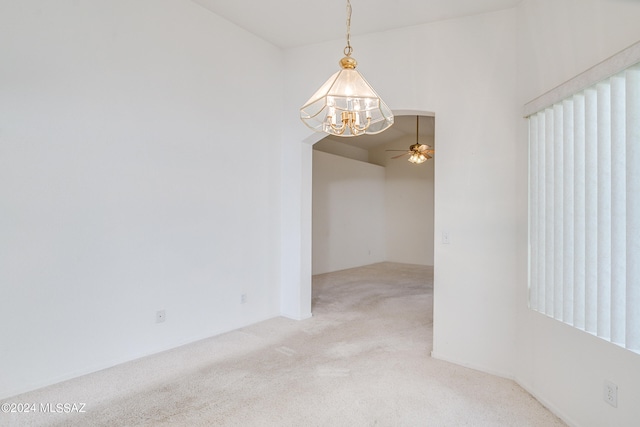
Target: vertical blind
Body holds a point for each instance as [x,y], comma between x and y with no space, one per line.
[584,201]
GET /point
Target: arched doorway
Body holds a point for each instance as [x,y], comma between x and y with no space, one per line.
[421,249]
[296,299]
[369,203]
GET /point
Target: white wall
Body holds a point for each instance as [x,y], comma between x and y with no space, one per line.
[348,213]
[128,183]
[464,71]
[409,204]
[562,366]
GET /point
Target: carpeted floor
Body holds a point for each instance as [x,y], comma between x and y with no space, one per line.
[361,360]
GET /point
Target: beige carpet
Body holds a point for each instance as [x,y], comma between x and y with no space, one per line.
[362,360]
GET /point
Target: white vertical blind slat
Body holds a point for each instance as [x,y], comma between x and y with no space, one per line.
[633,207]
[579,211]
[591,210]
[567,228]
[618,210]
[603,291]
[533,212]
[558,203]
[549,213]
[542,206]
[542,200]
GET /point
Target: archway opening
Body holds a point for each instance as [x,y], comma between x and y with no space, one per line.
[369,204]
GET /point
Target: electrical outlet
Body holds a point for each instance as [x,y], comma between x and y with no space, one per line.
[611,393]
[445,238]
[243,298]
[161,316]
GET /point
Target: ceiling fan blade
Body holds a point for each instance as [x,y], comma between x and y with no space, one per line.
[428,156]
[423,147]
[395,150]
[397,157]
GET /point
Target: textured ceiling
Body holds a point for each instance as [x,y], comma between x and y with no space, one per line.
[293,23]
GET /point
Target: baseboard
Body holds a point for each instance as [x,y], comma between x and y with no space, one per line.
[297,316]
[473,366]
[551,407]
[121,360]
[544,402]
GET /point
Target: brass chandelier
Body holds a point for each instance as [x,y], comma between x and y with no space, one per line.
[346,105]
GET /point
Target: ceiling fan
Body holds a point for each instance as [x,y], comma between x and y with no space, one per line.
[419,153]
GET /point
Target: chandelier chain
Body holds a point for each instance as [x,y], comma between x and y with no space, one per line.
[348,49]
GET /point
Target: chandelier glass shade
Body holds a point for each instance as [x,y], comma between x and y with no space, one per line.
[346,105]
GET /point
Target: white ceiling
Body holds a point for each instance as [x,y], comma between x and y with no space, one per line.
[293,23]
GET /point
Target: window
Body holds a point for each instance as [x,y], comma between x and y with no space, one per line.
[584,203]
